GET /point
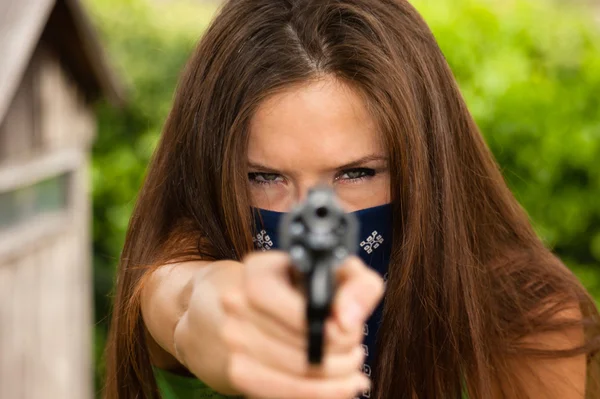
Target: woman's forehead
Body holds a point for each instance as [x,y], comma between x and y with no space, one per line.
[325,120]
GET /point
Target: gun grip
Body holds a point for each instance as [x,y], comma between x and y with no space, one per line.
[320,291]
[316,338]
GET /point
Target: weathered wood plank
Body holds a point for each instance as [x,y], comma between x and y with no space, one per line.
[51,101]
[47,310]
[27,308]
[18,324]
[18,130]
[39,260]
[19,240]
[21,24]
[82,270]
[65,116]
[22,174]
[56,335]
[64,258]
[7,277]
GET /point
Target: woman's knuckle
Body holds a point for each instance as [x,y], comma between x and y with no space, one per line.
[230,333]
[342,391]
[237,373]
[255,291]
[357,357]
[251,259]
[373,279]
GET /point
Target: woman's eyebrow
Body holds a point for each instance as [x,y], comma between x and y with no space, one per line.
[362,161]
[352,164]
[259,166]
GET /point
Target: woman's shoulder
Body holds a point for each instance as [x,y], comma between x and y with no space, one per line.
[535,273]
[538,299]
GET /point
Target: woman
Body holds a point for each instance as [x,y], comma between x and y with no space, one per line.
[281,95]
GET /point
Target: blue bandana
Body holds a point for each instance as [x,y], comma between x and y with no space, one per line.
[375,249]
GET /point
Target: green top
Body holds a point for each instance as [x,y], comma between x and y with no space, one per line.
[174,386]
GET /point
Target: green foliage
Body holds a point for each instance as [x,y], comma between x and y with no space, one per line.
[530,73]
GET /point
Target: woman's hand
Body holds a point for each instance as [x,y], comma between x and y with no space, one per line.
[265,332]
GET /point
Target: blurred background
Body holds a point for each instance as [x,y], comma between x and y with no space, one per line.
[529,70]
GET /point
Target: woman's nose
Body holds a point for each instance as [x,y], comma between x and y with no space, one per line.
[301,189]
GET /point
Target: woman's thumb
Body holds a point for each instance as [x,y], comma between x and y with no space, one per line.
[359,290]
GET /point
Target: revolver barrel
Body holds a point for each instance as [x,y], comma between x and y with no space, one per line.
[318,235]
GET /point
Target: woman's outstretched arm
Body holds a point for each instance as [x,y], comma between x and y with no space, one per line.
[172,334]
[236,326]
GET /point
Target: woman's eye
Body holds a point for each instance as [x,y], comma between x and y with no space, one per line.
[264,178]
[356,174]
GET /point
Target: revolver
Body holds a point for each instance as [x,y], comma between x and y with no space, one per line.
[318,235]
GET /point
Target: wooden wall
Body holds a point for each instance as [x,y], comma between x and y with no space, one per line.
[45,314]
[45,262]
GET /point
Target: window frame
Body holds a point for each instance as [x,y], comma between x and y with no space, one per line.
[25,235]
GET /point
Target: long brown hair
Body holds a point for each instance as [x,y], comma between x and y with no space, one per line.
[469,278]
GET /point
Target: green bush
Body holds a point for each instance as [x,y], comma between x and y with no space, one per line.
[530,72]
